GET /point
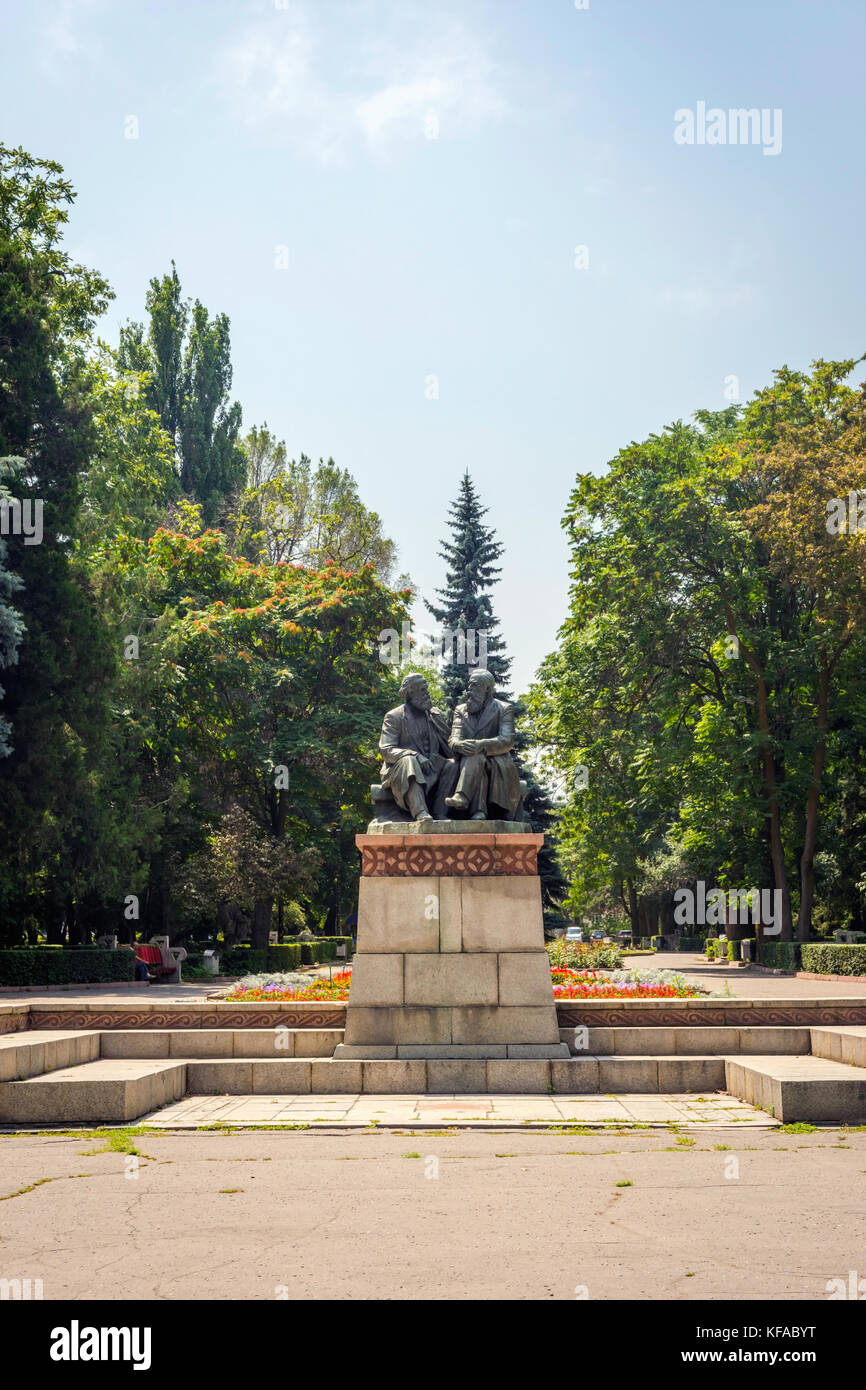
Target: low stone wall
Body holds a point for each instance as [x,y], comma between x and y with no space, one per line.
[710,1013]
[595,1013]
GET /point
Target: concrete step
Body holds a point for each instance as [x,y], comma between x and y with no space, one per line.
[576,1075]
[107,1091]
[32,1053]
[706,1042]
[843,1044]
[811,1089]
[276,1043]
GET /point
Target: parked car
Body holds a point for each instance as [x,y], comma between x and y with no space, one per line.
[574,934]
[598,935]
[624,938]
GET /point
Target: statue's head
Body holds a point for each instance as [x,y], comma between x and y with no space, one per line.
[414,691]
[479,690]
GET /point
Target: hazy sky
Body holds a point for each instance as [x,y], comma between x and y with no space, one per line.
[431,170]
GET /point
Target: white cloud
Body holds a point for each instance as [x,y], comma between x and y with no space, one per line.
[65,33]
[370,89]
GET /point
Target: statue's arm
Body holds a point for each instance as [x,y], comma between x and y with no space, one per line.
[441,728]
[388,745]
[504,741]
[458,733]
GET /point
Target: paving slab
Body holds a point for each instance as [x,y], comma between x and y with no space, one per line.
[357,1111]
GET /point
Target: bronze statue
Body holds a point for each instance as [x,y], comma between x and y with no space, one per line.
[482,736]
[418,769]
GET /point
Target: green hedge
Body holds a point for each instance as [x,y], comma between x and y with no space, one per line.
[779,955]
[323,949]
[688,943]
[243,960]
[712,947]
[56,965]
[288,955]
[838,958]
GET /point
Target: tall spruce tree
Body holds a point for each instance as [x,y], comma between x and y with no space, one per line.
[466,605]
[465,602]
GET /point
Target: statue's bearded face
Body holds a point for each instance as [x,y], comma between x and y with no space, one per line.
[418,695]
[478,694]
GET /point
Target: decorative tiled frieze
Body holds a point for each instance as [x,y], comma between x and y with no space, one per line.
[708,1014]
[448,856]
[251,1015]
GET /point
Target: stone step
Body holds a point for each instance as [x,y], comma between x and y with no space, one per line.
[577,1075]
[30,1054]
[811,1089]
[842,1044]
[707,1042]
[107,1091]
[188,1043]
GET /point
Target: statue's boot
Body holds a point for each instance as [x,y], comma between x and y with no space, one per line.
[417,804]
[458,801]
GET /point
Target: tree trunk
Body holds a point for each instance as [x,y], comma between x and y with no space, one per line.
[261,924]
[810,839]
[634,916]
[777,853]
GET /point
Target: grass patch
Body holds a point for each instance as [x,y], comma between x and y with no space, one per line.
[800,1127]
[117,1141]
[626,1182]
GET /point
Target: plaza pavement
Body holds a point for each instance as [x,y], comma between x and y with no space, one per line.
[744,982]
[655,1215]
[716,1109]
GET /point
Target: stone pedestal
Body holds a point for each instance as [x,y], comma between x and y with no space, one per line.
[450,961]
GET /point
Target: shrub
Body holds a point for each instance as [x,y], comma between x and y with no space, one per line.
[733,950]
[779,955]
[576,956]
[840,958]
[284,957]
[712,947]
[243,960]
[323,949]
[688,943]
[62,965]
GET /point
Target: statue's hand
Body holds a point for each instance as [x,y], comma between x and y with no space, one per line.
[470,746]
[425,764]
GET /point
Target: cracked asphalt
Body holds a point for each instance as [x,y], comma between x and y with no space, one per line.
[651,1214]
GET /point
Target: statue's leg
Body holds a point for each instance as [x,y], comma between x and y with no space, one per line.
[478,801]
[471,793]
[417,803]
[445,784]
[407,781]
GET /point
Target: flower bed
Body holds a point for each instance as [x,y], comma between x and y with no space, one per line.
[279,988]
[567,984]
[620,984]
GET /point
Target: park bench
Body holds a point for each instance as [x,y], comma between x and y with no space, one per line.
[163,961]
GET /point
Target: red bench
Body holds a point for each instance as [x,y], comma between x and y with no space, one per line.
[163,962]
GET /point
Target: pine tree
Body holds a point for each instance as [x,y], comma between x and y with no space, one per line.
[466,605]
